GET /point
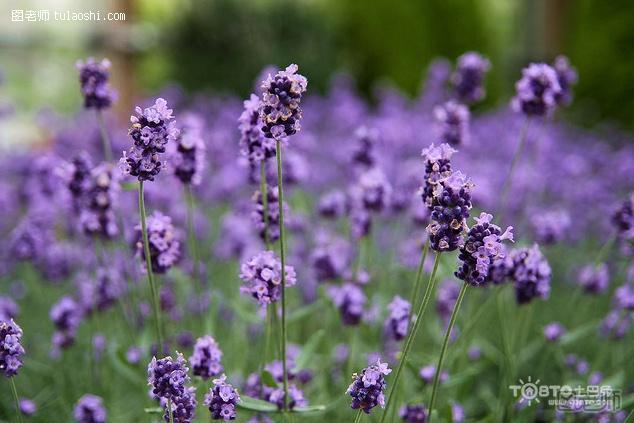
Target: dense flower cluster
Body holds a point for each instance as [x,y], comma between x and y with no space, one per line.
[167,377]
[537,90]
[281,95]
[451,204]
[8,308]
[205,360]
[272,225]
[330,258]
[551,227]
[183,407]
[623,221]
[453,123]
[262,276]
[102,291]
[78,178]
[66,314]
[349,299]
[11,350]
[163,240]
[482,247]
[396,324]
[152,129]
[333,204]
[531,273]
[594,279]
[367,389]
[413,413]
[364,154]
[97,216]
[553,331]
[253,144]
[372,191]
[90,409]
[437,166]
[93,79]
[187,155]
[567,76]
[468,78]
[222,400]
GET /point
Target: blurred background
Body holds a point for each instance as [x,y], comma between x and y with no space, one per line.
[220,46]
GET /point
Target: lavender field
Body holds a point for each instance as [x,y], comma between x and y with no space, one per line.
[296,256]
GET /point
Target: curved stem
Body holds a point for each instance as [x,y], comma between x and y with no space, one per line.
[148,264]
[357,418]
[280,199]
[265,203]
[417,284]
[17,400]
[105,139]
[445,343]
[412,335]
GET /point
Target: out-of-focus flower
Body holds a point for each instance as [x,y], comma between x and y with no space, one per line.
[364,154]
[550,227]
[90,409]
[187,154]
[567,76]
[332,204]
[413,413]
[273,213]
[427,374]
[281,95]
[163,240]
[262,276]
[468,78]
[295,397]
[368,388]
[623,221]
[553,331]
[453,123]
[594,279]
[530,271]
[349,299]
[537,91]
[93,79]
[396,324]
[205,360]
[66,314]
[27,406]
[8,308]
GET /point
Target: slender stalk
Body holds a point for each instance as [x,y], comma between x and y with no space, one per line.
[170,413]
[193,245]
[357,418]
[417,284]
[280,199]
[508,365]
[499,209]
[105,139]
[265,203]
[445,343]
[148,264]
[412,335]
[17,400]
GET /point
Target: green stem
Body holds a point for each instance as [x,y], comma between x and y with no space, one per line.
[357,418]
[280,199]
[17,400]
[508,364]
[170,413]
[418,283]
[193,245]
[148,264]
[265,203]
[499,210]
[412,335]
[443,350]
[105,139]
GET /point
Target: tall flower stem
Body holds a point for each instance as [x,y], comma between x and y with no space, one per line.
[419,280]
[148,264]
[357,418]
[193,245]
[412,335]
[443,350]
[105,138]
[280,199]
[170,413]
[265,203]
[16,399]
[500,208]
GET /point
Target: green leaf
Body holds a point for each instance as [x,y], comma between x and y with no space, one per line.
[300,314]
[154,410]
[254,404]
[268,379]
[310,409]
[579,333]
[308,350]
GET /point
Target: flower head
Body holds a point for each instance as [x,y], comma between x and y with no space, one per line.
[368,388]
[567,76]
[281,96]
[163,240]
[468,78]
[396,324]
[594,278]
[453,123]
[537,90]
[271,225]
[349,299]
[167,377]
[205,359]
[97,216]
[183,407]
[531,273]
[437,166]
[222,400]
[262,277]
[413,413]
[90,409]
[11,350]
[553,331]
[93,79]
[253,144]
[187,155]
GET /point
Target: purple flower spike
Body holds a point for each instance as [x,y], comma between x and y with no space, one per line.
[414,413]
[93,78]
[205,360]
[262,276]
[281,95]
[163,240]
[437,166]
[537,91]
[594,278]
[468,78]
[553,331]
[152,129]
[187,155]
[567,76]
[427,374]
[183,407]
[368,388]
[97,216]
[8,308]
[364,154]
[222,400]
[373,191]
[253,144]
[397,322]
[167,377]
[453,123]
[530,271]
[273,215]
[623,221]
[551,227]
[90,409]
[349,299]
[11,350]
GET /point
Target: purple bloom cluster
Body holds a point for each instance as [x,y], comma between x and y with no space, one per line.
[183,407]
[273,213]
[281,95]
[437,166]
[349,299]
[330,258]
[372,191]
[66,314]
[537,91]
[468,78]
[413,413]
[11,350]
[482,247]
[453,123]
[93,78]
[151,130]
[428,372]
[619,320]
[205,360]
[451,204]
[101,292]
[551,227]
[222,400]
[623,221]
[253,144]
[594,279]
[163,240]
[27,407]
[531,273]
[553,331]
[78,178]
[97,216]
[167,377]
[262,276]
[367,389]
[8,308]
[333,204]
[187,155]
[90,409]
[567,76]
[396,324]
[365,155]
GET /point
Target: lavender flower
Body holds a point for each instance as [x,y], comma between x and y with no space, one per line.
[397,322]
[537,91]
[372,191]
[367,389]
[163,240]
[468,78]
[530,271]
[222,400]
[482,247]
[273,215]
[437,167]
[364,154]
[360,222]
[262,276]
[553,331]
[332,204]
[97,217]
[11,350]
[414,413]
[453,123]
[428,372]
[93,78]
[78,178]
[8,308]
[151,130]
[349,299]
[550,227]
[329,259]
[66,315]
[205,360]
[451,204]
[566,76]
[27,407]
[188,153]
[167,377]
[253,144]
[295,397]
[594,279]
[90,409]
[623,221]
[183,407]
[281,97]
